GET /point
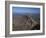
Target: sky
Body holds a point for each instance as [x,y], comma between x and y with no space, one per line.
[25,10]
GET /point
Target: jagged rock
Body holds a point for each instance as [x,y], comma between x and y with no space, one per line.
[24,23]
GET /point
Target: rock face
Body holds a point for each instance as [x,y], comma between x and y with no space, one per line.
[24,23]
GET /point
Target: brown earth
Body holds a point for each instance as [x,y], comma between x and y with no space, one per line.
[24,23]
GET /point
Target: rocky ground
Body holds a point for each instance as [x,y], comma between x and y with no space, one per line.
[25,23]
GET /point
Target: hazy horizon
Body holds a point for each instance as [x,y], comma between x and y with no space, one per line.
[25,10]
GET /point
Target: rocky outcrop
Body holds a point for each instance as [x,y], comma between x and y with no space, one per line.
[25,23]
